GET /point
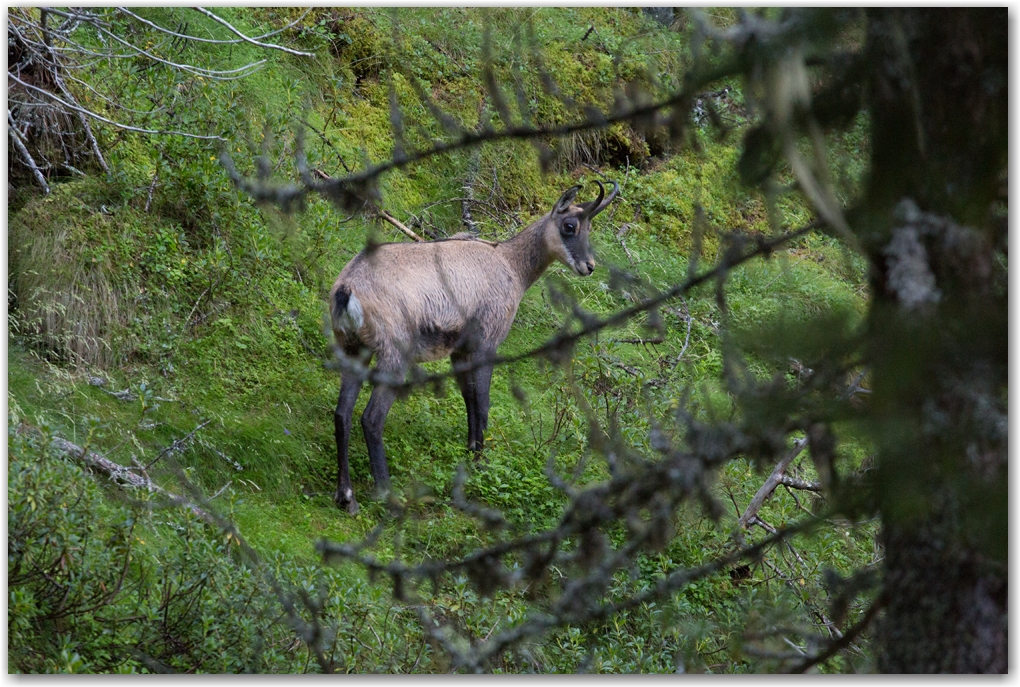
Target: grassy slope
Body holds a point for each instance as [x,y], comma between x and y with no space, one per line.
[255,365]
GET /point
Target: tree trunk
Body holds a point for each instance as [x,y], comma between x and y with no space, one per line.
[937,334]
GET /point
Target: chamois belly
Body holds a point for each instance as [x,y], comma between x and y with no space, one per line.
[433,342]
[460,332]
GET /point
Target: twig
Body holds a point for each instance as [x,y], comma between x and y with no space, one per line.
[842,642]
[755,520]
[128,395]
[632,371]
[796,500]
[464,70]
[237,466]
[624,228]
[855,386]
[469,190]
[325,139]
[124,395]
[687,338]
[152,187]
[221,490]
[177,444]
[187,319]
[596,170]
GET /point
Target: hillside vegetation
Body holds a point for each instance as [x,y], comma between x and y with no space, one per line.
[161,318]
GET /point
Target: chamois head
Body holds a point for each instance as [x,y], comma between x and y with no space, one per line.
[569,225]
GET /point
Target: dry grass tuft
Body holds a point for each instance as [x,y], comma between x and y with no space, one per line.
[66,304]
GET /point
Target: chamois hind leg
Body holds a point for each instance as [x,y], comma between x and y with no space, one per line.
[372,422]
[482,380]
[465,380]
[349,388]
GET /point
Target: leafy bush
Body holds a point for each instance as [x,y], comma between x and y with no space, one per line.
[100,585]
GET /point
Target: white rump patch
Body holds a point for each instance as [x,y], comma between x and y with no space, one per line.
[350,320]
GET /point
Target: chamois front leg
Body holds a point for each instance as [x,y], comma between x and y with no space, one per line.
[349,388]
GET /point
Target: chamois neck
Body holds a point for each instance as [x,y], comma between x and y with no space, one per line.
[527,254]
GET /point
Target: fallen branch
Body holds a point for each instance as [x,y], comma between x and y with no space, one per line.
[233,463]
[152,187]
[795,483]
[399,225]
[773,481]
[124,476]
[632,371]
[655,340]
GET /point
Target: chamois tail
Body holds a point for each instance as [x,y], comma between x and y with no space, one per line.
[345,312]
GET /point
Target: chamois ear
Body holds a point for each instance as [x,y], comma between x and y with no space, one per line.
[563,204]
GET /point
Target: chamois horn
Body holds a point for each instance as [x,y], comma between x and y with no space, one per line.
[603,201]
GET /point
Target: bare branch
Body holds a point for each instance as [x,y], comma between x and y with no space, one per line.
[687,337]
[111,122]
[25,155]
[215,74]
[655,340]
[157,27]
[246,39]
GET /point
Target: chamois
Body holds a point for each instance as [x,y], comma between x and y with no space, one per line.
[412,302]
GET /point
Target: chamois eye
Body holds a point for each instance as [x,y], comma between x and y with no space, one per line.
[569,227]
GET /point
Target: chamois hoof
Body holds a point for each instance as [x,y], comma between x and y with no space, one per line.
[477,452]
[346,501]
